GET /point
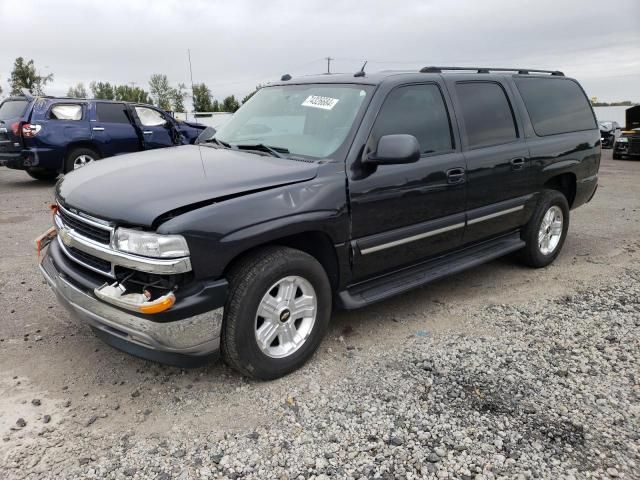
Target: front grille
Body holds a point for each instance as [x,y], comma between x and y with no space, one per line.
[634,146]
[89,260]
[85,229]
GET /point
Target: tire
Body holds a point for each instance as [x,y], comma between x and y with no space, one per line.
[253,279]
[42,175]
[538,254]
[73,158]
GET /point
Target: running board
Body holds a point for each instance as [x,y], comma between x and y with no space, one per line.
[381,288]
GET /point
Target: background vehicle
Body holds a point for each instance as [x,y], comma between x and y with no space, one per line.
[46,136]
[627,145]
[333,190]
[609,132]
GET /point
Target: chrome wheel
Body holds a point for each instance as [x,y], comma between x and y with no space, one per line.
[550,231]
[81,160]
[286,316]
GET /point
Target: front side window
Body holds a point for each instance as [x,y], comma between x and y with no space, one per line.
[417,110]
[310,120]
[487,115]
[555,105]
[66,112]
[112,113]
[150,117]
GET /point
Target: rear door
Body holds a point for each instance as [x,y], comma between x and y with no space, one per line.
[157,129]
[113,130]
[12,112]
[499,178]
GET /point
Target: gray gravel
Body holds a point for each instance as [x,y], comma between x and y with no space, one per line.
[546,389]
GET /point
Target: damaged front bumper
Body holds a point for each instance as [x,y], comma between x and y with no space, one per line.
[179,341]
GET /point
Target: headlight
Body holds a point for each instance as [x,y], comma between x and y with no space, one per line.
[150,244]
[623,140]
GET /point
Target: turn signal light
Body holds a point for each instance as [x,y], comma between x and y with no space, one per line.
[157,307]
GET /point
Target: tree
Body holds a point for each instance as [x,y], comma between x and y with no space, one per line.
[202,101]
[246,99]
[161,91]
[230,104]
[102,90]
[215,106]
[128,93]
[178,95]
[24,75]
[78,91]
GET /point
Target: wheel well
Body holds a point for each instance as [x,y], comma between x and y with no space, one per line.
[565,184]
[317,244]
[84,144]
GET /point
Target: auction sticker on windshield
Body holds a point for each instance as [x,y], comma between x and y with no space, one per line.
[316,101]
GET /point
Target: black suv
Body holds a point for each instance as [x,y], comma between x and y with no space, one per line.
[333,191]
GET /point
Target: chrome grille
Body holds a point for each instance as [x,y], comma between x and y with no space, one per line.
[84,228]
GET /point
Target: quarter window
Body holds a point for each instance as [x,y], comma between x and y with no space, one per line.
[150,117]
[417,110]
[487,115]
[66,112]
[112,113]
[555,105]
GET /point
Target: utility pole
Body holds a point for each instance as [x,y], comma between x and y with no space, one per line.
[328,59]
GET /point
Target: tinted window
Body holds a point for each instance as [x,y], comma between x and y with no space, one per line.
[487,115]
[12,109]
[112,113]
[66,112]
[417,110]
[555,105]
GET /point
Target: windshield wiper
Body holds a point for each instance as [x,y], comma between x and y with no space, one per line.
[218,142]
[274,151]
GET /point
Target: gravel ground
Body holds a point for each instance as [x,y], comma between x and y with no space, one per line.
[500,372]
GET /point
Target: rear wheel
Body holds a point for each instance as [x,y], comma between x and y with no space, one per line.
[78,158]
[277,312]
[546,231]
[42,174]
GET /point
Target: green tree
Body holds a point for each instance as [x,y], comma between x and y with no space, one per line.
[78,91]
[230,104]
[246,99]
[178,95]
[24,75]
[215,106]
[161,91]
[102,90]
[128,93]
[202,100]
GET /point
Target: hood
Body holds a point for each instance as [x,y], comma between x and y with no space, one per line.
[135,189]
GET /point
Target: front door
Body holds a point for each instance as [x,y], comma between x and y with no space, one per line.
[112,129]
[157,130]
[499,174]
[404,213]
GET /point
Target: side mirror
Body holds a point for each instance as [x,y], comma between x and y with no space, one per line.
[395,149]
[206,135]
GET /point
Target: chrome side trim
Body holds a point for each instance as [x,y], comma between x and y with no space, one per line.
[412,238]
[168,266]
[494,215]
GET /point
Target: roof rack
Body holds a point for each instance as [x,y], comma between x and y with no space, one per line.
[521,71]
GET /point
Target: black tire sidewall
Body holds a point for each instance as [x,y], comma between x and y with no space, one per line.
[533,256]
[75,153]
[253,360]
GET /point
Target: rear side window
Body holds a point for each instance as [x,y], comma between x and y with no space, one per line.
[66,112]
[112,113]
[12,109]
[487,115]
[417,110]
[555,105]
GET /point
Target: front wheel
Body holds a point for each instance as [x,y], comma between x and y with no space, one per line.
[546,231]
[277,312]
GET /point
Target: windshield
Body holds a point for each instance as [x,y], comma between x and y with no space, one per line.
[311,120]
[12,109]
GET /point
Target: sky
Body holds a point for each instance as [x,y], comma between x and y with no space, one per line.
[238,44]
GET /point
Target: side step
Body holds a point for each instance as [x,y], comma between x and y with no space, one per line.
[381,288]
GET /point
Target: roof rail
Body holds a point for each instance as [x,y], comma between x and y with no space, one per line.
[521,71]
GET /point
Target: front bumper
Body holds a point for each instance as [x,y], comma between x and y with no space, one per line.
[184,342]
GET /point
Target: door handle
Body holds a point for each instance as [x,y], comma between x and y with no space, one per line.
[517,163]
[455,175]
[148,132]
[98,129]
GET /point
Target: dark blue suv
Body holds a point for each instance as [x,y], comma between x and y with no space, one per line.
[47,136]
